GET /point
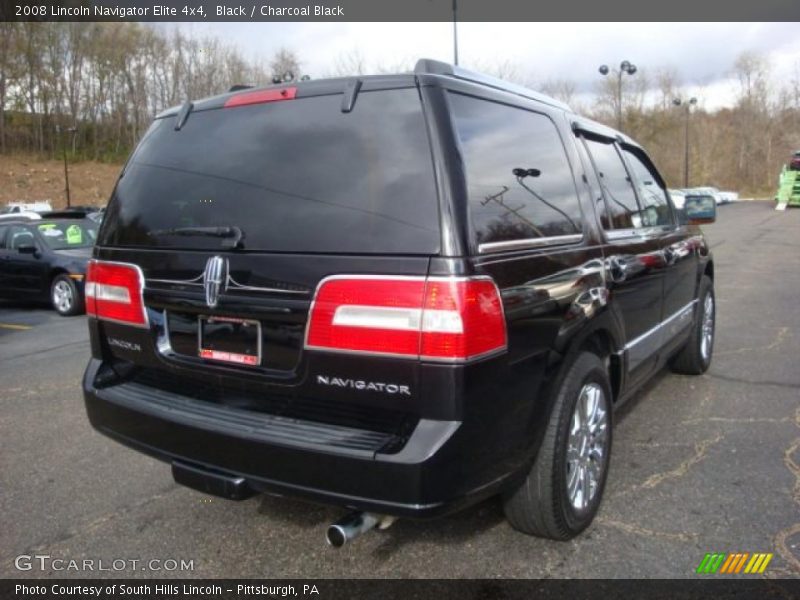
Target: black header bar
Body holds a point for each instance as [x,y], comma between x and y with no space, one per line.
[399,10]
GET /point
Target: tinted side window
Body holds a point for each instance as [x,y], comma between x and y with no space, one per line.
[623,210]
[653,197]
[519,180]
[3,236]
[19,236]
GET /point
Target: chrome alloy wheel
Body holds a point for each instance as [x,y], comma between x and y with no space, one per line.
[707,335]
[63,297]
[587,446]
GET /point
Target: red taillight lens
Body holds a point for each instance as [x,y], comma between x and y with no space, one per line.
[260,97]
[435,318]
[114,293]
[483,327]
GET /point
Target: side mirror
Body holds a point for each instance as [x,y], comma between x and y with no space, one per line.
[28,250]
[700,209]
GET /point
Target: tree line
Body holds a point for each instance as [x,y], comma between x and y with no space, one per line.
[107,81]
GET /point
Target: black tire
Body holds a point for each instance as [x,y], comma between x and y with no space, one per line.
[542,506]
[694,358]
[65,298]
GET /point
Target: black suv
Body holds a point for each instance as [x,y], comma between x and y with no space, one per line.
[397,294]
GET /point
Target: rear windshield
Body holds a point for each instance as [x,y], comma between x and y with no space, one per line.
[293,176]
[60,235]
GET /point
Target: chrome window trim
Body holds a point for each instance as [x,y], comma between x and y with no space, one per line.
[527,243]
[638,232]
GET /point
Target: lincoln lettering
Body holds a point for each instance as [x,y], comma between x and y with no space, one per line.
[361,385]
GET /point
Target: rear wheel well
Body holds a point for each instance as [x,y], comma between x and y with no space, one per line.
[601,344]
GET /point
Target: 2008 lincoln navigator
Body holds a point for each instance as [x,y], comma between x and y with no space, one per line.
[395,294]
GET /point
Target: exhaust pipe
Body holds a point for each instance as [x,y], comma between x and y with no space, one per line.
[350,527]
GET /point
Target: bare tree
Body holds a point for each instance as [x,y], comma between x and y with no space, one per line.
[9,70]
[502,69]
[285,62]
[350,63]
[560,89]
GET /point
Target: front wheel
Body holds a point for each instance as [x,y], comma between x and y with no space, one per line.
[561,494]
[65,297]
[695,357]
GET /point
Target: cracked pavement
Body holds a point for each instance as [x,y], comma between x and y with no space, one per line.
[699,464]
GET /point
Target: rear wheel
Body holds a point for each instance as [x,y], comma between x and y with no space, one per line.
[563,490]
[65,297]
[695,357]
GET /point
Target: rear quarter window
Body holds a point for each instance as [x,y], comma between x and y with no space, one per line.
[519,180]
[295,176]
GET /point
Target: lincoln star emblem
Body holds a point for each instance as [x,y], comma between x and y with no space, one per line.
[214,279]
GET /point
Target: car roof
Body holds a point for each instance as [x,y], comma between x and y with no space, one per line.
[314,87]
[20,217]
[424,67]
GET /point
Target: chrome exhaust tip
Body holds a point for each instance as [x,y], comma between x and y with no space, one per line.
[350,527]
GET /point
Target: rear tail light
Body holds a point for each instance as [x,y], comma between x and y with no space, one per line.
[450,319]
[114,293]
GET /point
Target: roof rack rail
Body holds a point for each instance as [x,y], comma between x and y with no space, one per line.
[239,86]
[436,67]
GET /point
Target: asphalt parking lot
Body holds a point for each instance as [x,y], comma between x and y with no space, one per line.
[699,464]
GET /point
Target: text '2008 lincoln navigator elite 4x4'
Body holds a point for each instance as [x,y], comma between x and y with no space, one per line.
[395,294]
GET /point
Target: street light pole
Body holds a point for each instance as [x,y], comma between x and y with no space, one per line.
[688,105]
[624,67]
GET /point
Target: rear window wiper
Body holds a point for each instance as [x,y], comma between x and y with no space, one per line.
[234,233]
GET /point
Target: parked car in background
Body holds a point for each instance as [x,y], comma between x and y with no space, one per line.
[19,207]
[728,197]
[430,288]
[794,162]
[45,260]
[20,216]
[712,191]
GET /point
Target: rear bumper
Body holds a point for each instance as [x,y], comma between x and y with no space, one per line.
[325,463]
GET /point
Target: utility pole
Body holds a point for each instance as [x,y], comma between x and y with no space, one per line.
[71,130]
[688,105]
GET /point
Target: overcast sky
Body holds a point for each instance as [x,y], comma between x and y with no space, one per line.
[702,53]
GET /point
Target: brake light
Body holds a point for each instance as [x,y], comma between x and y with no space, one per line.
[448,319]
[260,97]
[114,293]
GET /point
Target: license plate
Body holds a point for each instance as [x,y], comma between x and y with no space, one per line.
[230,340]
